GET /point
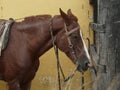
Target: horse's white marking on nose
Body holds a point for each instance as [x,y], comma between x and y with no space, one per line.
[85,48]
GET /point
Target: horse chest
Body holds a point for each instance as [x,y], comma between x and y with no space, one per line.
[1,78]
[30,74]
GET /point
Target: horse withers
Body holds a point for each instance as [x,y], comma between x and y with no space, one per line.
[31,38]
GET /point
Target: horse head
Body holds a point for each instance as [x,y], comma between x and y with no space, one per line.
[71,42]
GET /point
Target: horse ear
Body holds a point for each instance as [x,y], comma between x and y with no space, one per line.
[71,15]
[65,17]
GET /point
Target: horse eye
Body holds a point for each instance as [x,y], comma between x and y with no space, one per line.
[75,36]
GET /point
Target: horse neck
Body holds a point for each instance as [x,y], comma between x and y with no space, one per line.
[56,25]
[40,36]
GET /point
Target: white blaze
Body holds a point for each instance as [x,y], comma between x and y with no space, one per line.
[85,48]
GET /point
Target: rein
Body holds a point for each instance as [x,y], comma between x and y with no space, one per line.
[59,68]
[57,56]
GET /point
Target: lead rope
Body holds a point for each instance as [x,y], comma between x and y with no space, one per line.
[83,87]
[58,67]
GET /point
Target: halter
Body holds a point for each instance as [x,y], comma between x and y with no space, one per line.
[59,68]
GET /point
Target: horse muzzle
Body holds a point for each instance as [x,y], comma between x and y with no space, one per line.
[83,65]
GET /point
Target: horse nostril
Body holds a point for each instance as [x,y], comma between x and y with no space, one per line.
[86,64]
[83,66]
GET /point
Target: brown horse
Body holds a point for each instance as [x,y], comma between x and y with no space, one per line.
[31,38]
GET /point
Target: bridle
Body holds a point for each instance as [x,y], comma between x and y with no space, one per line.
[70,45]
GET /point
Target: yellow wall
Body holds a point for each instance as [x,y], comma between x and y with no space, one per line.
[46,78]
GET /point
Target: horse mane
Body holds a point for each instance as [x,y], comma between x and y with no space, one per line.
[36,18]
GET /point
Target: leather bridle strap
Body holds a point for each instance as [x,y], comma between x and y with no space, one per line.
[71,31]
[68,38]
